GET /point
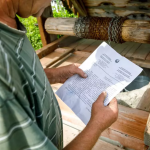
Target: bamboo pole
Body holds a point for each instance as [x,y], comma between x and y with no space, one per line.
[132,30]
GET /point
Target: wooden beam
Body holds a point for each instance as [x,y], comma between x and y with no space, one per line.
[79,8]
[45,37]
[122,3]
[132,30]
[101,12]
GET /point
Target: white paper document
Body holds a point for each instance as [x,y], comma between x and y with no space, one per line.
[107,71]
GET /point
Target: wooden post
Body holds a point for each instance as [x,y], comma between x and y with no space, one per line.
[45,37]
[132,30]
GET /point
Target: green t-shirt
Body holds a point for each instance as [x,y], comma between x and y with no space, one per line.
[30,116]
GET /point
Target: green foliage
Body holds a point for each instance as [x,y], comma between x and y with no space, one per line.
[33,32]
[60,11]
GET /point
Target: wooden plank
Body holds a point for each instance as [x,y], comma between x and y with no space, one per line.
[63,41]
[124,139]
[49,63]
[76,53]
[132,50]
[93,46]
[75,44]
[142,52]
[85,44]
[131,122]
[70,133]
[49,58]
[129,46]
[148,56]
[70,60]
[80,61]
[120,47]
[58,63]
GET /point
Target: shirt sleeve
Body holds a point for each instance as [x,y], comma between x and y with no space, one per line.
[18,131]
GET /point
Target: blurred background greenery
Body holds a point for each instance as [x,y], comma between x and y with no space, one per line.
[33,32]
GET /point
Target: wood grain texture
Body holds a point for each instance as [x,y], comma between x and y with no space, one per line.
[132,30]
[148,57]
[136,31]
[111,12]
[60,25]
[62,42]
[124,139]
[54,60]
[45,37]
[122,3]
[132,50]
[142,52]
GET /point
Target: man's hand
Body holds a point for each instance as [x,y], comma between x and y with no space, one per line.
[60,75]
[102,116]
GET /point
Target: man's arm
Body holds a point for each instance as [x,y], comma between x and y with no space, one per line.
[102,117]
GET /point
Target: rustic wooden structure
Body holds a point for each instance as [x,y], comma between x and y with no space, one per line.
[132,127]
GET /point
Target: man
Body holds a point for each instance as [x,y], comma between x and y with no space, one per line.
[30,117]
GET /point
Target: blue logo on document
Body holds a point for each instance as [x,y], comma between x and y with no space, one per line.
[117,60]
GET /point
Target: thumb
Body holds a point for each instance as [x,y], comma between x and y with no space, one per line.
[79,71]
[101,98]
[113,105]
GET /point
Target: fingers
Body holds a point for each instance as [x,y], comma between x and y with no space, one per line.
[79,71]
[101,98]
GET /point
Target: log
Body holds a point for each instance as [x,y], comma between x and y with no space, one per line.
[132,30]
